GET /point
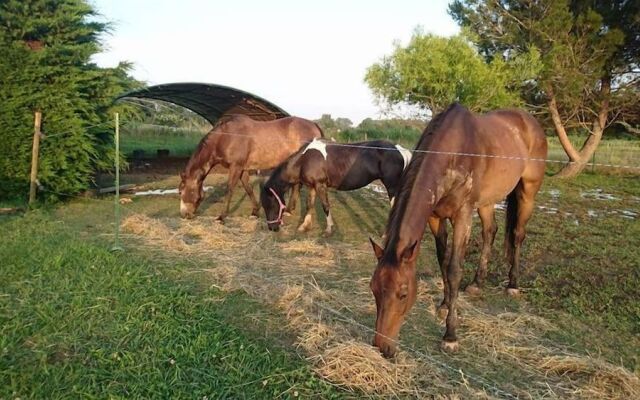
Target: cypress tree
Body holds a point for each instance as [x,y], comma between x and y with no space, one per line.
[45,64]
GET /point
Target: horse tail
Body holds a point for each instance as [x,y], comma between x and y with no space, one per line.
[510,226]
[320,129]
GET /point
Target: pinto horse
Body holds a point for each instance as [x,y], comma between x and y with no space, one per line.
[323,164]
[463,161]
[241,144]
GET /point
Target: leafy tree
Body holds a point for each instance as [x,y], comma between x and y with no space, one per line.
[589,54]
[431,72]
[46,48]
[332,126]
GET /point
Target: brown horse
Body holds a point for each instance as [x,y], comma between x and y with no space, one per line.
[323,164]
[445,181]
[241,144]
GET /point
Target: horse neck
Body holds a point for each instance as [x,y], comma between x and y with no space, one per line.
[413,206]
[201,160]
[279,180]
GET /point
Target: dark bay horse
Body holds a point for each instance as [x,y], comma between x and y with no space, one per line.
[323,164]
[445,182]
[241,144]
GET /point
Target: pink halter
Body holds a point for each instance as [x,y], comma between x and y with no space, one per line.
[280,211]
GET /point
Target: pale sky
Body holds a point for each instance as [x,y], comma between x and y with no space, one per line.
[309,58]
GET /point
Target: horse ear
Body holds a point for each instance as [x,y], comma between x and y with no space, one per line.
[410,252]
[182,175]
[377,249]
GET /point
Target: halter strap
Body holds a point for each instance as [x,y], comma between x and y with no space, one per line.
[280,211]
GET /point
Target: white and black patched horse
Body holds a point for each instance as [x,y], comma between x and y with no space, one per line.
[323,164]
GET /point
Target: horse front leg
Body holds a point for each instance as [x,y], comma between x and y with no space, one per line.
[438,228]
[293,199]
[324,198]
[244,179]
[489,230]
[234,175]
[461,233]
[311,199]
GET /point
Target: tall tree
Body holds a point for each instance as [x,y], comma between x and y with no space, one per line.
[589,54]
[46,48]
[431,72]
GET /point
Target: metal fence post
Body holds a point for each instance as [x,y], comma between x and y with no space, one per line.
[116,246]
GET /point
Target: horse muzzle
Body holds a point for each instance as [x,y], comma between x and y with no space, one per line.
[387,348]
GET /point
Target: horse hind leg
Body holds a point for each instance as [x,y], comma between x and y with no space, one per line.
[520,205]
[489,230]
[324,198]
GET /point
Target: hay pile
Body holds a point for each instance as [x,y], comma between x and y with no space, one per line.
[153,231]
[194,236]
[600,380]
[357,365]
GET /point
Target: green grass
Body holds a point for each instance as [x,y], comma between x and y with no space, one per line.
[150,138]
[79,321]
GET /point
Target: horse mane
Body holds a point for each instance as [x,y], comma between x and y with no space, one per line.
[399,208]
[204,149]
[275,180]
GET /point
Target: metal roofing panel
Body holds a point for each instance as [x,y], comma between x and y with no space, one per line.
[211,101]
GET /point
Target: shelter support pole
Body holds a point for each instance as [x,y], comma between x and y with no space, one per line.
[35,153]
[116,246]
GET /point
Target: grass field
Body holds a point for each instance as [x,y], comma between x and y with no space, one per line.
[76,316]
[78,321]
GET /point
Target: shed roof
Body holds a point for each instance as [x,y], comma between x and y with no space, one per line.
[211,101]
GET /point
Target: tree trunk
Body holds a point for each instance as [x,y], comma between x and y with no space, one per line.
[579,159]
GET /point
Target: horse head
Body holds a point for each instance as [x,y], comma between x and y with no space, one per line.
[394,287]
[191,194]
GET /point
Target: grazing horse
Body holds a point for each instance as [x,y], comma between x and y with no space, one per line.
[323,164]
[462,162]
[241,144]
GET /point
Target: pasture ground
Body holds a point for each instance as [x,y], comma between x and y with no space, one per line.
[188,290]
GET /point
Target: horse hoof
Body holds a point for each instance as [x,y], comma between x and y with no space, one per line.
[253,216]
[442,312]
[513,292]
[220,219]
[449,347]
[473,290]
[327,233]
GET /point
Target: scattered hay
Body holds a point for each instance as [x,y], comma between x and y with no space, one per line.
[425,297]
[315,338]
[603,380]
[290,299]
[225,278]
[210,236]
[309,253]
[139,224]
[244,225]
[356,365]
[153,231]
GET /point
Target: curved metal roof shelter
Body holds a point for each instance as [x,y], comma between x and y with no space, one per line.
[211,101]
